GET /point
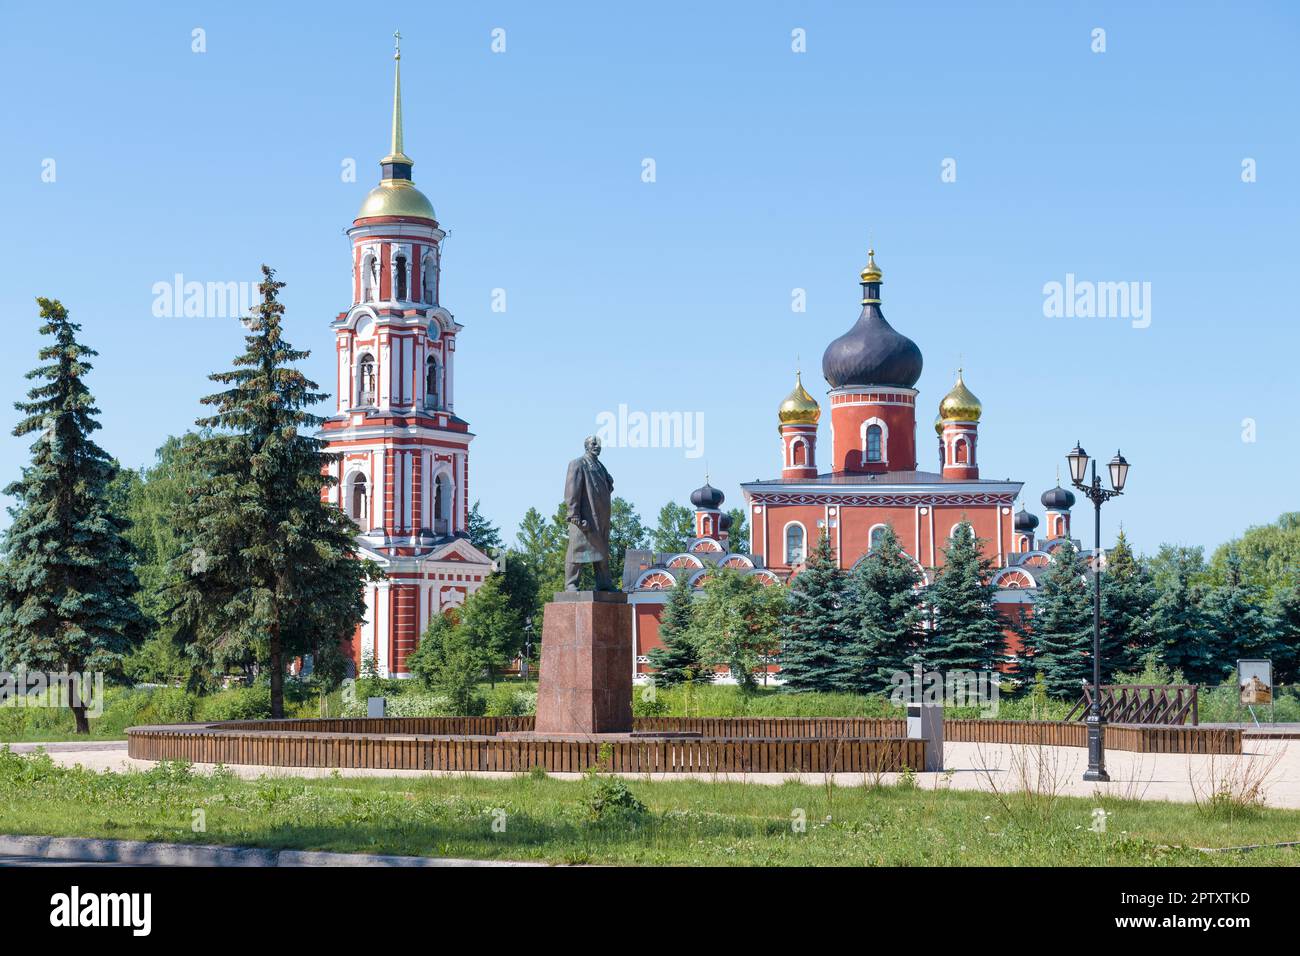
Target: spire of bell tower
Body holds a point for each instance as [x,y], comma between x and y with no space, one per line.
[397,165]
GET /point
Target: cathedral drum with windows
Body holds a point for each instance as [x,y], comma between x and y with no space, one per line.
[403,467]
[874,480]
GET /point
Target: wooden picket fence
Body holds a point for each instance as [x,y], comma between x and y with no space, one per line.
[386,751]
[724,744]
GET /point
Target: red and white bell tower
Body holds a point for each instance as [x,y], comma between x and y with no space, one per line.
[403,471]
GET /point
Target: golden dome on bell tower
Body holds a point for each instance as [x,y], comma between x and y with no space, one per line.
[799,408]
[960,404]
[396,194]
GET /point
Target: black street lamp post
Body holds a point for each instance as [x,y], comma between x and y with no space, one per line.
[1092,489]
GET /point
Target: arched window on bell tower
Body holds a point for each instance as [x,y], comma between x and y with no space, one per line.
[358,502]
[369,278]
[366,380]
[432,392]
[399,269]
[429,280]
[443,501]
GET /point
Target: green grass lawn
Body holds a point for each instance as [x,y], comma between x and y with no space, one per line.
[683,822]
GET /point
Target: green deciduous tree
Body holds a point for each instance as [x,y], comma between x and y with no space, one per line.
[1285,611]
[450,661]
[884,616]
[814,627]
[738,533]
[735,622]
[1268,555]
[269,570]
[494,623]
[151,499]
[966,631]
[675,527]
[626,533]
[67,588]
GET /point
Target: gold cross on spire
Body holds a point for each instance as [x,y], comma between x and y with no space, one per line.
[395,151]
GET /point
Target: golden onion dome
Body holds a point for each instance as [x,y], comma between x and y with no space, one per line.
[799,408]
[396,197]
[871,272]
[960,404]
[938,424]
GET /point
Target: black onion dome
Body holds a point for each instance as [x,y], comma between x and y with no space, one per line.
[706,496]
[1059,499]
[724,523]
[872,352]
[1025,522]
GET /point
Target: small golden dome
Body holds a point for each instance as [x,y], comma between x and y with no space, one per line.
[871,272]
[799,408]
[396,197]
[938,424]
[960,405]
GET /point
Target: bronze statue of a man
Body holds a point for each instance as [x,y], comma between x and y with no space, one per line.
[588,488]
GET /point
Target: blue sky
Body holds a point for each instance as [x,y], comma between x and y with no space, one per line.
[774,170]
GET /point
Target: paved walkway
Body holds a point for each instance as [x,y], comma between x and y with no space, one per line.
[971,766]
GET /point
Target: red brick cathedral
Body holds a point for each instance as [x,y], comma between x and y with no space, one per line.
[873,480]
[404,472]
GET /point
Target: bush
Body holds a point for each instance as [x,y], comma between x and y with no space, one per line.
[649,705]
[507,701]
[170,705]
[416,705]
[238,703]
[610,798]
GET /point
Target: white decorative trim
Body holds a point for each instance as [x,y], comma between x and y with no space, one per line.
[884,440]
[785,543]
[872,531]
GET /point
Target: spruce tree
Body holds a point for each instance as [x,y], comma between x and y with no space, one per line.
[483,534]
[1239,619]
[814,627]
[1178,620]
[679,660]
[269,570]
[884,617]
[67,588]
[966,631]
[1127,594]
[1062,625]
